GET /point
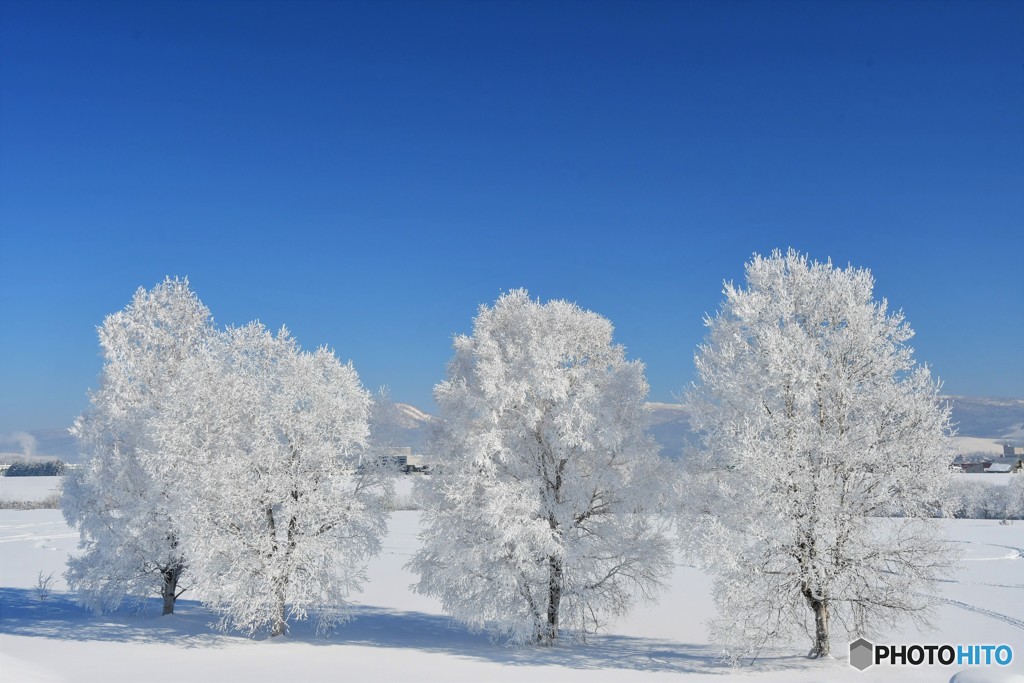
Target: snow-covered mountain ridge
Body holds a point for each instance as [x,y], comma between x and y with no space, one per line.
[975,416]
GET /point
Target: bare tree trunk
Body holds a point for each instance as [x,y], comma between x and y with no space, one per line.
[554,600]
[280,625]
[169,589]
[822,645]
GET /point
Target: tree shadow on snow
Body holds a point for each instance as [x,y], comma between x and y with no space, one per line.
[380,627]
[61,618]
[433,633]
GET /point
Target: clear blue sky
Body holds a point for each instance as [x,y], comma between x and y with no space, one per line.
[369,173]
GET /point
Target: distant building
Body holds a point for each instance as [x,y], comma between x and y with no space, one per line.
[971,463]
[1010,465]
[399,457]
[404,460]
[1013,451]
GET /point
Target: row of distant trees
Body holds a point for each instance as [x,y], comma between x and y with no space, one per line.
[35,468]
[231,463]
[981,499]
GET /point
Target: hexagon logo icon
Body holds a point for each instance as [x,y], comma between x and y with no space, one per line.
[861,654]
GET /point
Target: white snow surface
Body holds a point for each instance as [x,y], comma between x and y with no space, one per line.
[31,489]
[988,478]
[400,636]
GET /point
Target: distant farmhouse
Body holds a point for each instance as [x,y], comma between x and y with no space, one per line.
[1011,465]
[1012,462]
[403,460]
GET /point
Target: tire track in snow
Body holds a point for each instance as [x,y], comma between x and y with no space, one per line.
[1019,551]
[36,537]
[22,537]
[998,616]
[981,583]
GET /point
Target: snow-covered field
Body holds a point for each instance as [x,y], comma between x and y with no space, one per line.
[31,489]
[399,636]
[987,478]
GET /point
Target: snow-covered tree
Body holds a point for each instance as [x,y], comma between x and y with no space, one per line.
[825,447]
[1013,506]
[542,513]
[130,534]
[284,514]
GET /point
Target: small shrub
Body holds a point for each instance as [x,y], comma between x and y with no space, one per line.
[44,586]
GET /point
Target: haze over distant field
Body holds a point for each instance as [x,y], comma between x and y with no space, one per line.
[370,173]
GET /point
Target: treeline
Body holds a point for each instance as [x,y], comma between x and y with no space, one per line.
[30,468]
[978,499]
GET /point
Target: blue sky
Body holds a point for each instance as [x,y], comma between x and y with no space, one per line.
[369,173]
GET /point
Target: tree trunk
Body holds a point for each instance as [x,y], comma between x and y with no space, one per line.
[550,634]
[280,625]
[822,645]
[169,589]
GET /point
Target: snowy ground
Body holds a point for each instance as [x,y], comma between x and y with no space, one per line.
[29,488]
[399,636]
[987,478]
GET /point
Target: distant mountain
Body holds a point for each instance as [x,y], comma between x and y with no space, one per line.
[994,418]
[412,417]
[987,418]
[402,424]
[670,427]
